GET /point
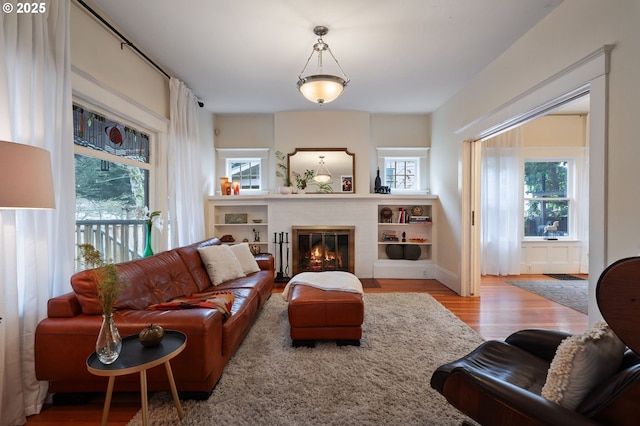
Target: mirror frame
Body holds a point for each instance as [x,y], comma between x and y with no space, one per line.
[318,152]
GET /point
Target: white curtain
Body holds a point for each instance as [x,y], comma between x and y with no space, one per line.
[36,247]
[501,203]
[186,180]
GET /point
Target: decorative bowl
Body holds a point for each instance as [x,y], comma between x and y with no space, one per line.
[257,220]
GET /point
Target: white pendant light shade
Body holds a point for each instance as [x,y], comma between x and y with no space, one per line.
[322,175]
[321,88]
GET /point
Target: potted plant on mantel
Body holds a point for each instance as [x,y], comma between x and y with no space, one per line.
[283,172]
[302,180]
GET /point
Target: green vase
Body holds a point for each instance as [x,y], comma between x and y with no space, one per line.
[148,251]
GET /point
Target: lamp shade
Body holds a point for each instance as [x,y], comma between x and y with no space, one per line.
[321,88]
[26,181]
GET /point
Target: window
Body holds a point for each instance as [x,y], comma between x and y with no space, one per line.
[113,176]
[246,165]
[401,173]
[246,171]
[404,169]
[547,198]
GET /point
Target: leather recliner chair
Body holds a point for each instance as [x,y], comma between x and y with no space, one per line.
[500,383]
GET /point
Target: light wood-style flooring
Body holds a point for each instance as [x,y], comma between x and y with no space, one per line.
[500,310]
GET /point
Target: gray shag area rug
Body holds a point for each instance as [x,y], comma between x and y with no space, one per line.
[571,293]
[406,336]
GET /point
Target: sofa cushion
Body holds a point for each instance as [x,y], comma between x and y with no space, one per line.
[581,363]
[150,280]
[245,257]
[191,257]
[222,265]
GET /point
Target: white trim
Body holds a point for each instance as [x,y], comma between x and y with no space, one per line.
[247,153]
[96,95]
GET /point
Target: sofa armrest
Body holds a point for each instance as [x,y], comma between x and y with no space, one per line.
[64,306]
[491,401]
[266,262]
[541,343]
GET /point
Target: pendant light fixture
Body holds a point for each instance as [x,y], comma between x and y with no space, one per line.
[322,175]
[321,88]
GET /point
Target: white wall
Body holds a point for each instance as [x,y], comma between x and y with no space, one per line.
[571,32]
[96,51]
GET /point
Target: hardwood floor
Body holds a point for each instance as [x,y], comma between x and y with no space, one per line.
[500,310]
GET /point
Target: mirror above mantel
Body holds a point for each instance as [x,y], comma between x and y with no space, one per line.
[339,162]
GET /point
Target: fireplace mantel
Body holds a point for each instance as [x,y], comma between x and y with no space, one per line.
[279,213]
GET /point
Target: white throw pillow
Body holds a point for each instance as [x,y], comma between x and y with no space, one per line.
[222,265]
[581,363]
[245,257]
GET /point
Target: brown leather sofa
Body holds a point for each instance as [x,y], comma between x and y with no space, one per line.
[500,383]
[67,336]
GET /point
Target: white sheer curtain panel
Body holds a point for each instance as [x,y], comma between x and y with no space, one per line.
[186,180]
[501,203]
[36,246]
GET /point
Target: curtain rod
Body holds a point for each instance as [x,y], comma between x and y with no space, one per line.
[125,41]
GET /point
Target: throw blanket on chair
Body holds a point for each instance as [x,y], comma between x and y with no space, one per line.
[327,280]
[222,301]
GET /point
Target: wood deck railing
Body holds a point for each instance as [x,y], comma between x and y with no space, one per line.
[117,240]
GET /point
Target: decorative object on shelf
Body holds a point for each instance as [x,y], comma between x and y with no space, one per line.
[394,251]
[383,190]
[235,187]
[245,240]
[235,218]
[151,336]
[417,211]
[377,183]
[320,87]
[386,215]
[256,220]
[347,183]
[109,286]
[282,171]
[412,252]
[404,237]
[228,238]
[223,183]
[150,219]
[255,249]
[256,236]
[389,235]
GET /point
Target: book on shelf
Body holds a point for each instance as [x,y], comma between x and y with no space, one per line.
[402,215]
[419,219]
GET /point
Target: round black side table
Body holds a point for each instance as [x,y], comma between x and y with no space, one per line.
[136,358]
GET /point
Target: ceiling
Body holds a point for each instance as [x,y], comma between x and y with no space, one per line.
[401,56]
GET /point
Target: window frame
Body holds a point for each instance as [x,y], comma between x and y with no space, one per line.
[574,157]
[419,155]
[224,156]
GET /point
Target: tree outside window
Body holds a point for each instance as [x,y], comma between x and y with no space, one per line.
[546,199]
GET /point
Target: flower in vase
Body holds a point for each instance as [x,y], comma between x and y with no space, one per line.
[151,218]
[109,285]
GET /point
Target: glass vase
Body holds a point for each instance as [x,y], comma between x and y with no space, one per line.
[109,343]
[148,251]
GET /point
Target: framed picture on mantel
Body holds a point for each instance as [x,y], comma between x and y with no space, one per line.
[347,183]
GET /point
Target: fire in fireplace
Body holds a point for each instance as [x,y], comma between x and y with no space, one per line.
[323,248]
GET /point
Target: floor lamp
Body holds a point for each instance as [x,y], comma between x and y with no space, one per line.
[26,181]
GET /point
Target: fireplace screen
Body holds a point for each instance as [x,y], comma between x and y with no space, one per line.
[317,249]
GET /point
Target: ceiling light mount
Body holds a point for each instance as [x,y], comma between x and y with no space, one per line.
[321,88]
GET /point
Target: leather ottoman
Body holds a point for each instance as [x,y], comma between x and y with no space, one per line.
[317,314]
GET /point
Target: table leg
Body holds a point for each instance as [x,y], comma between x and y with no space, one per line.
[107,400]
[174,391]
[143,396]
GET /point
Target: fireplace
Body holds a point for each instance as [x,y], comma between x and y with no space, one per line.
[323,248]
